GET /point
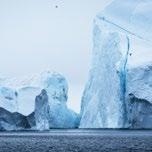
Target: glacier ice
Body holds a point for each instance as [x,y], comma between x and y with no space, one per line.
[105,85]
[24,90]
[26,99]
[59,114]
[51,110]
[139,86]
[42,111]
[118,91]
[41,99]
[13,120]
[8,99]
[62,117]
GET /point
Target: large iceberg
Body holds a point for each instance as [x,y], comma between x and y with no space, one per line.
[118,93]
[51,110]
[41,99]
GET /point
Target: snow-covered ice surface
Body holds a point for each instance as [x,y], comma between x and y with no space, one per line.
[120,75]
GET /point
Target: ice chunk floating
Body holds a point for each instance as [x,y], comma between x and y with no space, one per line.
[118,93]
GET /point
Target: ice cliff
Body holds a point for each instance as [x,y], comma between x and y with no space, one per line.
[118,93]
[39,101]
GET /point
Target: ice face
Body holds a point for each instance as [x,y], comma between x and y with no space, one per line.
[26,99]
[119,79]
[56,87]
[139,70]
[105,88]
[139,85]
[62,117]
[38,100]
[8,99]
[27,88]
[13,121]
[42,111]
[41,99]
[54,114]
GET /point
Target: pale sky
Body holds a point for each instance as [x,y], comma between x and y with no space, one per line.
[36,36]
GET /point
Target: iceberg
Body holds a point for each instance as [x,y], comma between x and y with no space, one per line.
[41,99]
[23,91]
[105,87]
[118,91]
[51,110]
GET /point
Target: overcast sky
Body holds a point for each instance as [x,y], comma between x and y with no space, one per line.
[36,35]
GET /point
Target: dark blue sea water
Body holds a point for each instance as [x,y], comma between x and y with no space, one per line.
[78,140]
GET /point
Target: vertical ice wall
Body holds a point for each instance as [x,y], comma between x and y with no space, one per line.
[103,99]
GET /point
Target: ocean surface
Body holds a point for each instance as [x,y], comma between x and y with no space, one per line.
[77,140]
